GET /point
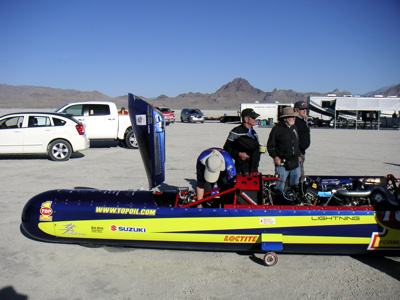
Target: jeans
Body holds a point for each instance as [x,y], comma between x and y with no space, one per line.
[303,158]
[294,176]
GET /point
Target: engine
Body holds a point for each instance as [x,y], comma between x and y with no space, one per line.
[345,191]
[336,191]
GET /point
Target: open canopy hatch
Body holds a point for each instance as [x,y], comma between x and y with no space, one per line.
[149,127]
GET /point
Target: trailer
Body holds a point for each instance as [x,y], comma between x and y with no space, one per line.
[356,111]
[268,111]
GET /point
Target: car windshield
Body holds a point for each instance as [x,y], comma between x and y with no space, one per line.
[164,109]
[75,110]
[195,111]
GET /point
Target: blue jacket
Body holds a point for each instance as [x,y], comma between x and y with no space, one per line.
[230,170]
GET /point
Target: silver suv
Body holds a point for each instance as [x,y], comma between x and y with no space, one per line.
[192,115]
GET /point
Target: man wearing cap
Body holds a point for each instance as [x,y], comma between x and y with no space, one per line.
[283,147]
[303,130]
[243,144]
[214,165]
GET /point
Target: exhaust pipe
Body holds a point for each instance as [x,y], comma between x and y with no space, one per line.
[390,197]
[347,193]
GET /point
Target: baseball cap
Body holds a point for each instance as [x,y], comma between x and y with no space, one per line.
[300,105]
[249,112]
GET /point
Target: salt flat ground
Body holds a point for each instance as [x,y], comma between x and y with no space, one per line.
[40,270]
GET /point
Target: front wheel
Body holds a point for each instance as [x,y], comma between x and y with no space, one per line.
[60,150]
[130,140]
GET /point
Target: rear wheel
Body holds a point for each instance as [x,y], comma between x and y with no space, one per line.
[130,140]
[60,150]
[378,199]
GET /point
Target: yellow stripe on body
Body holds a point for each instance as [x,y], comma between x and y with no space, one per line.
[298,239]
[168,229]
[83,229]
[231,223]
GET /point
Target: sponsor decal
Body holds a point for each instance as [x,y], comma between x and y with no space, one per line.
[96,229]
[267,221]
[371,180]
[46,211]
[127,229]
[241,238]
[386,240]
[330,181]
[335,218]
[389,238]
[70,229]
[389,218]
[125,211]
[141,120]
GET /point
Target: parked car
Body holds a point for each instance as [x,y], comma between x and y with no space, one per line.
[102,121]
[169,115]
[192,115]
[55,135]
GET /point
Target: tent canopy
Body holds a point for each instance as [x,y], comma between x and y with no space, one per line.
[368,104]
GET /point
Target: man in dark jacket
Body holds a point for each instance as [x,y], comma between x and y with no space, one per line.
[283,147]
[243,144]
[300,107]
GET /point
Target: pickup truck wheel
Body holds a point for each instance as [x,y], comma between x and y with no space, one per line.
[60,150]
[130,140]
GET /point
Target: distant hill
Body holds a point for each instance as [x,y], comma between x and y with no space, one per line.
[229,96]
[380,91]
[392,91]
[43,97]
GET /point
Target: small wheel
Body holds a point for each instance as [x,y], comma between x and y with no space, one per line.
[130,140]
[60,150]
[270,259]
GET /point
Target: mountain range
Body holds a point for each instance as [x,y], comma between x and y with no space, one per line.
[229,96]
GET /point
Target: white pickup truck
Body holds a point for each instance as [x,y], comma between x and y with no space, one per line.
[102,121]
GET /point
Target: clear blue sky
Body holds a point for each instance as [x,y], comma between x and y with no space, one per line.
[154,47]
